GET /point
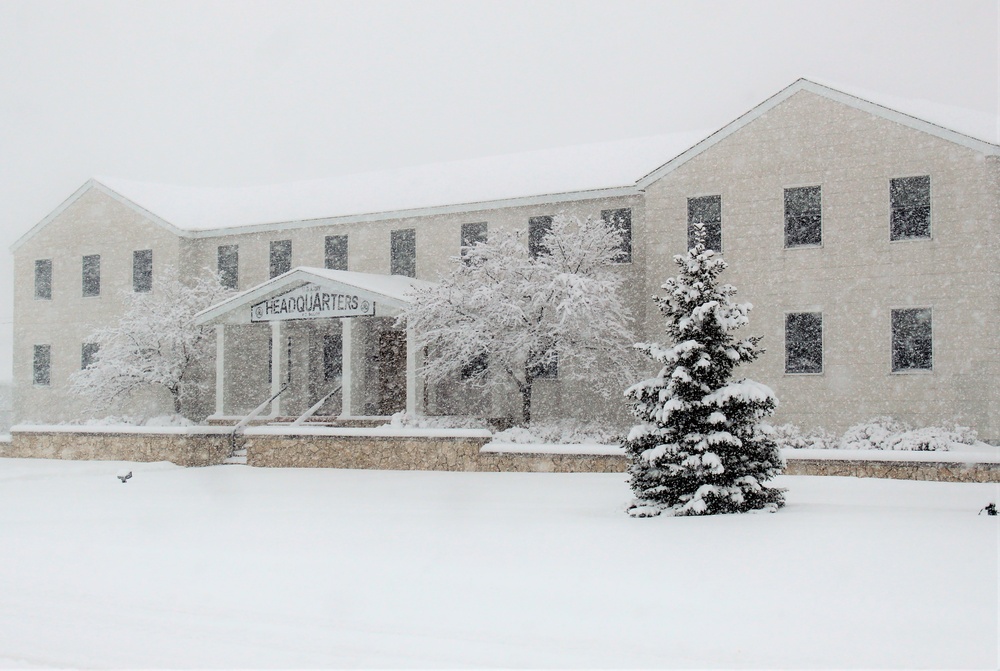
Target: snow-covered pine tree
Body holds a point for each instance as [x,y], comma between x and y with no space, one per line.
[700,448]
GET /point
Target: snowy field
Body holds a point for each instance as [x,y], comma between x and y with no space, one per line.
[231,566]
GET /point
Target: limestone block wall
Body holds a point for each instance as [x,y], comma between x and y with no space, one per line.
[204,446]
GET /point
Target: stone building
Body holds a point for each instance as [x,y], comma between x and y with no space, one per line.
[862,235]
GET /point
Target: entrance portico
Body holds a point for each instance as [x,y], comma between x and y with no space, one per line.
[298,336]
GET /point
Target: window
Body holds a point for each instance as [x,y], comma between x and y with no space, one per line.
[333,357]
[707,211]
[403,252]
[229,266]
[912,347]
[92,275]
[281,257]
[621,220]
[142,270]
[336,252]
[538,228]
[41,364]
[476,366]
[803,216]
[804,342]
[43,279]
[910,200]
[547,367]
[88,352]
[471,235]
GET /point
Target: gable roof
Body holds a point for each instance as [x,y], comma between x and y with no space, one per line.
[529,178]
[855,102]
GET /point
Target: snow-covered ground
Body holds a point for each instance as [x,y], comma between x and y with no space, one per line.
[231,566]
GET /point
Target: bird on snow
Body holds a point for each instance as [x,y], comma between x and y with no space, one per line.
[123,476]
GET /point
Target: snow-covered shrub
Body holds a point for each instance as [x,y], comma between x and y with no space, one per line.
[875,434]
[700,447]
[561,432]
[789,436]
[886,433]
[169,420]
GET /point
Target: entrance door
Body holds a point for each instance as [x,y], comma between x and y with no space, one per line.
[390,372]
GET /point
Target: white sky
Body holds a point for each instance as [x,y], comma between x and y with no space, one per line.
[236,93]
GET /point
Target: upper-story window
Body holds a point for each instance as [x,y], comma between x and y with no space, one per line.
[910,201]
[41,365]
[403,252]
[538,228]
[621,220]
[707,211]
[43,278]
[473,234]
[142,270]
[336,252]
[92,275]
[804,342]
[803,216]
[281,257]
[228,264]
[912,340]
[88,353]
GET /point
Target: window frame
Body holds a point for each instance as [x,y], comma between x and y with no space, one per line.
[467,241]
[534,240]
[784,205]
[397,238]
[140,256]
[225,276]
[274,250]
[88,351]
[36,360]
[625,251]
[822,341]
[329,245]
[930,210]
[95,274]
[690,223]
[42,263]
[910,371]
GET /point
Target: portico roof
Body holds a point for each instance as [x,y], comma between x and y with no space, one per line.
[390,294]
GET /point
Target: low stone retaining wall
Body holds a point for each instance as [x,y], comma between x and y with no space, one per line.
[197,446]
[456,450]
[942,471]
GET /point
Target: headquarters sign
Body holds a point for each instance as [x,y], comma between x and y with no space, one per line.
[311,301]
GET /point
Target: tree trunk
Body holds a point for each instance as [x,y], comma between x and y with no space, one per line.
[177,403]
[526,402]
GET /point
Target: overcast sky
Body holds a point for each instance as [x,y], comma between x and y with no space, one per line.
[235,93]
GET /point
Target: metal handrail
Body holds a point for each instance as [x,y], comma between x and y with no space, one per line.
[242,424]
[311,411]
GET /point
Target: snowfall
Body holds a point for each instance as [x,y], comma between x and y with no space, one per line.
[233,566]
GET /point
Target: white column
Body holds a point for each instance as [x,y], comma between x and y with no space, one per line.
[346,361]
[277,367]
[411,372]
[220,368]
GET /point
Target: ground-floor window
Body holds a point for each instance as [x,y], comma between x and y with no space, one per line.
[41,364]
[912,340]
[804,342]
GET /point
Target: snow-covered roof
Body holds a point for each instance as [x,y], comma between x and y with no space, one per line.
[392,291]
[592,167]
[545,176]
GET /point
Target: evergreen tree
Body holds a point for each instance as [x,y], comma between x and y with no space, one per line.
[700,448]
